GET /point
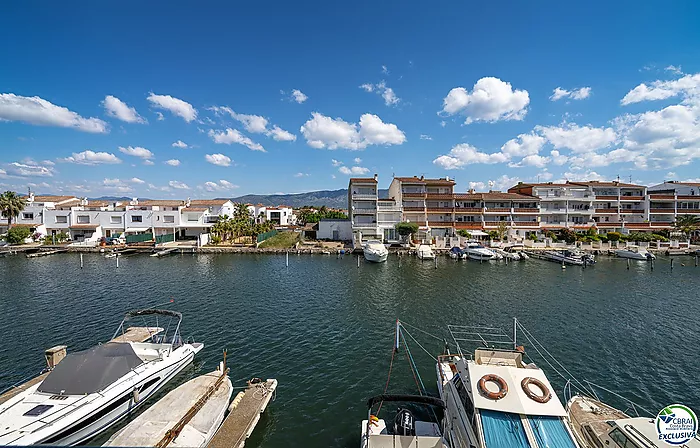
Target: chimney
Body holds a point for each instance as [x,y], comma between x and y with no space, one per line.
[447,178]
[470,191]
[375,176]
[422,177]
[84,201]
[188,202]
[134,201]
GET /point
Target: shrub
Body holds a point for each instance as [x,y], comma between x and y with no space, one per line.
[216,239]
[567,235]
[533,236]
[614,236]
[464,233]
[493,234]
[17,235]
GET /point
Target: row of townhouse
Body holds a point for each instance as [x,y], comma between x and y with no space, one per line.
[281,215]
[525,208]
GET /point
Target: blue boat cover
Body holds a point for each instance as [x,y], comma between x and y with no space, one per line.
[503,430]
[550,432]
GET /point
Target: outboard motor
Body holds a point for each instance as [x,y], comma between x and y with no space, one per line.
[404,423]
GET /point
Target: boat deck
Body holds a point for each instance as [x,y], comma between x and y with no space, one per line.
[242,419]
[133,334]
[587,411]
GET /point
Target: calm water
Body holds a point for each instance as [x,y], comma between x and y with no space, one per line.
[324,328]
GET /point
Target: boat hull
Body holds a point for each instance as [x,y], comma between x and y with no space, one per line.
[376,257]
[631,255]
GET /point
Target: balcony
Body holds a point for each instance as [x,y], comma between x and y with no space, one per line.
[662,197]
[497,210]
[364,225]
[364,211]
[469,225]
[365,196]
[414,209]
[691,197]
[631,198]
[669,211]
[388,208]
[469,211]
[496,223]
[413,194]
[605,211]
[526,224]
[208,220]
[441,223]
[605,198]
[526,210]
[440,209]
[440,195]
[632,211]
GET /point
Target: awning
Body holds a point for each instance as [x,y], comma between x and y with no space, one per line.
[477,233]
[84,226]
[137,229]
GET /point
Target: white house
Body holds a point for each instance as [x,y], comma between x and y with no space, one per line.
[281,215]
[334,229]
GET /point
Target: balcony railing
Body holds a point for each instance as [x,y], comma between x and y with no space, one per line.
[690,197]
[364,196]
[413,194]
[468,225]
[469,210]
[662,197]
[440,195]
[605,198]
[605,210]
[440,209]
[631,211]
[526,224]
[441,223]
[414,209]
[364,211]
[631,198]
[526,210]
[662,210]
[497,210]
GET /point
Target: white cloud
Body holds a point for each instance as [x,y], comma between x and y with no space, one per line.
[578,138]
[443,123]
[502,183]
[670,175]
[222,185]
[579,176]
[425,137]
[117,185]
[575,94]
[465,154]
[119,109]
[160,116]
[172,162]
[178,185]
[325,132]
[357,160]
[356,170]
[137,151]
[299,96]
[523,145]
[180,144]
[27,170]
[387,93]
[336,162]
[230,136]
[385,70]
[38,111]
[218,159]
[490,100]
[301,174]
[89,157]
[148,162]
[688,86]
[280,135]
[176,106]
[535,160]
[136,180]
[558,158]
[675,70]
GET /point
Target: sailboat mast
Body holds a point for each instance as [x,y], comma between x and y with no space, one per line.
[515,333]
[396,345]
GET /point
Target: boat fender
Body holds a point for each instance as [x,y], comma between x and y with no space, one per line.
[546,394]
[135,395]
[374,420]
[502,387]
[255,381]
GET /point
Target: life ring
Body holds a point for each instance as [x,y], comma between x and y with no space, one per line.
[502,387]
[546,394]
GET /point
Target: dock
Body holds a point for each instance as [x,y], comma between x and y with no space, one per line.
[164,252]
[133,334]
[244,414]
[45,253]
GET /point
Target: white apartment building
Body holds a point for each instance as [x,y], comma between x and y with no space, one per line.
[33,214]
[609,206]
[281,215]
[667,201]
[362,208]
[428,202]
[488,211]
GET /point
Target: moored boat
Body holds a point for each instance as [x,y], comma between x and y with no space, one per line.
[89,391]
[569,256]
[424,252]
[476,251]
[375,251]
[457,253]
[635,253]
[172,417]
[495,399]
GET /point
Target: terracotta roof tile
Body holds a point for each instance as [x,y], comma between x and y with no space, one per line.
[163,202]
[208,202]
[52,198]
[363,179]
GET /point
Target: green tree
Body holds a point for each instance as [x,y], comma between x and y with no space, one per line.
[687,224]
[464,233]
[406,229]
[502,230]
[17,235]
[11,205]
[614,236]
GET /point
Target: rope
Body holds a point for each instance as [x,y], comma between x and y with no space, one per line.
[388,378]
[418,343]
[422,331]
[412,364]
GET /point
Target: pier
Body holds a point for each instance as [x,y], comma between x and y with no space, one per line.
[244,414]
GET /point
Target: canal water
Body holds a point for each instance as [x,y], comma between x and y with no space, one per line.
[324,327]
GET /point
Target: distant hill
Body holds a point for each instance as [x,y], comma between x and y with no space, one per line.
[329,198]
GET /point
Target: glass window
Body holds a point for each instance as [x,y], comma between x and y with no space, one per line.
[620,439]
[61,219]
[27,215]
[137,218]
[115,219]
[83,219]
[169,218]
[464,396]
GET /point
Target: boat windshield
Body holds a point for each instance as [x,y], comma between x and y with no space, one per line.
[550,432]
[503,430]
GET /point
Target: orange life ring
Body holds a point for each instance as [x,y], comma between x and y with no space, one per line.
[502,387]
[546,394]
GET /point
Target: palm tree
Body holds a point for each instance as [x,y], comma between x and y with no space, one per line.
[11,205]
[687,224]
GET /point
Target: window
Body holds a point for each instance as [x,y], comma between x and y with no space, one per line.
[169,218]
[464,396]
[620,439]
[115,219]
[61,219]
[137,218]
[37,410]
[27,215]
[83,219]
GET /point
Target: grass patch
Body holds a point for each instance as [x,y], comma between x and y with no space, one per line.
[283,240]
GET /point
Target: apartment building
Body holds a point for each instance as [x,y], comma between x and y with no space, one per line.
[488,211]
[362,208]
[33,214]
[609,206]
[667,201]
[428,202]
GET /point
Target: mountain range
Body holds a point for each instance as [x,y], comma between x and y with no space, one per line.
[329,198]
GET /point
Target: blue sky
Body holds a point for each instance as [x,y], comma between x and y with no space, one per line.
[265,97]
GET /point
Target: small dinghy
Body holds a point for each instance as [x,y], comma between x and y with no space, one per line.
[188,416]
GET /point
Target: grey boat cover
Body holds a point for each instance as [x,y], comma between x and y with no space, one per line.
[91,370]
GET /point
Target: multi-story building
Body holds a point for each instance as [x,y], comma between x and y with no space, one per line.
[362,208]
[489,211]
[609,206]
[32,216]
[667,201]
[428,202]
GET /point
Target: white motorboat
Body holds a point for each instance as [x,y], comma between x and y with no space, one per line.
[456,253]
[375,251]
[505,254]
[425,252]
[635,253]
[596,424]
[212,391]
[476,251]
[495,399]
[89,391]
[573,257]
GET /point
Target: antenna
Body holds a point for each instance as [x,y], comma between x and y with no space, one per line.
[630,178]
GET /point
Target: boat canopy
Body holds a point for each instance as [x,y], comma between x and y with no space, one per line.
[550,432]
[423,399]
[91,370]
[503,429]
[148,312]
[456,250]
